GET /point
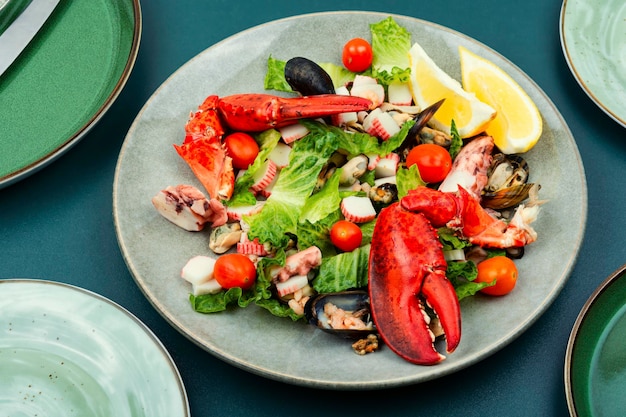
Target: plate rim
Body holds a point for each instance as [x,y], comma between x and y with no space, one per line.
[620,119]
[83,130]
[385,383]
[590,302]
[133,320]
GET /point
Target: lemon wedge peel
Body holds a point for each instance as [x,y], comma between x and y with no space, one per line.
[518,124]
[429,84]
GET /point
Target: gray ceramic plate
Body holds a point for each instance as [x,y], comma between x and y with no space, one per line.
[67,351]
[593,37]
[251,338]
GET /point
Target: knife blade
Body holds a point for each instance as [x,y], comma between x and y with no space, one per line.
[23,29]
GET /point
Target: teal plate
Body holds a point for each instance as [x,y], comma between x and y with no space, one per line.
[593,38]
[65,81]
[65,351]
[595,362]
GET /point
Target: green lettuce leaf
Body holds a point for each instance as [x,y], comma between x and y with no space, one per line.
[281,212]
[275,76]
[408,179]
[391,44]
[345,271]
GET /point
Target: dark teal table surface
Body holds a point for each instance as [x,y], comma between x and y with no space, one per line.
[57,223]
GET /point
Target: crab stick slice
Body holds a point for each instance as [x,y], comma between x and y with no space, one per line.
[280,155]
[399,94]
[387,166]
[373,92]
[373,160]
[251,247]
[343,119]
[292,285]
[358,209]
[291,133]
[237,213]
[264,176]
[380,124]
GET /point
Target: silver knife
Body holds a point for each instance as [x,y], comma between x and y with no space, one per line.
[23,29]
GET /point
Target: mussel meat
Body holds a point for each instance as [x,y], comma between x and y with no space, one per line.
[345,314]
[307,77]
[508,182]
[506,171]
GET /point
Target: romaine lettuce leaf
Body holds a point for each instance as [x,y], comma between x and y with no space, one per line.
[408,179]
[345,271]
[391,44]
[281,212]
[275,76]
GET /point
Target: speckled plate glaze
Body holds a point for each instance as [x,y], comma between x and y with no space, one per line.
[64,81]
[595,361]
[65,351]
[251,338]
[593,37]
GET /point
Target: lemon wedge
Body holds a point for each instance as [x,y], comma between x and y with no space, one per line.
[429,84]
[518,124]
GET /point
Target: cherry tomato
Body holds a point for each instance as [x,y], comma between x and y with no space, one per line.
[242,148]
[234,270]
[346,235]
[501,269]
[433,161]
[357,55]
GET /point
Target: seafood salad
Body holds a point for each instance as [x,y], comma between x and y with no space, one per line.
[342,202]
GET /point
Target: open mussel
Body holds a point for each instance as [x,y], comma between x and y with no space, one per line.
[345,314]
[508,182]
[307,77]
[413,136]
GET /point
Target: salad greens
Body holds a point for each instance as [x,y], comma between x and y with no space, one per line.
[297,211]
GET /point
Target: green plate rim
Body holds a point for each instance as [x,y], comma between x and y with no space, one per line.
[592,301]
[44,161]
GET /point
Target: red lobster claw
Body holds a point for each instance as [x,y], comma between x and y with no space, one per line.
[406,266]
[258,112]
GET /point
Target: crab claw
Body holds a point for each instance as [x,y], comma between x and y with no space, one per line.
[406,269]
[258,112]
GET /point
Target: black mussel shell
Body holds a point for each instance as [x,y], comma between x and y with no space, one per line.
[421,120]
[347,300]
[307,77]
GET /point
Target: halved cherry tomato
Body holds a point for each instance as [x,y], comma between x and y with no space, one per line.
[501,269]
[433,161]
[234,270]
[357,55]
[242,148]
[346,235]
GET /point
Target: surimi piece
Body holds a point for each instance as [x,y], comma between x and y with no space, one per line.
[280,155]
[292,285]
[358,209]
[399,94]
[387,166]
[264,176]
[237,213]
[293,132]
